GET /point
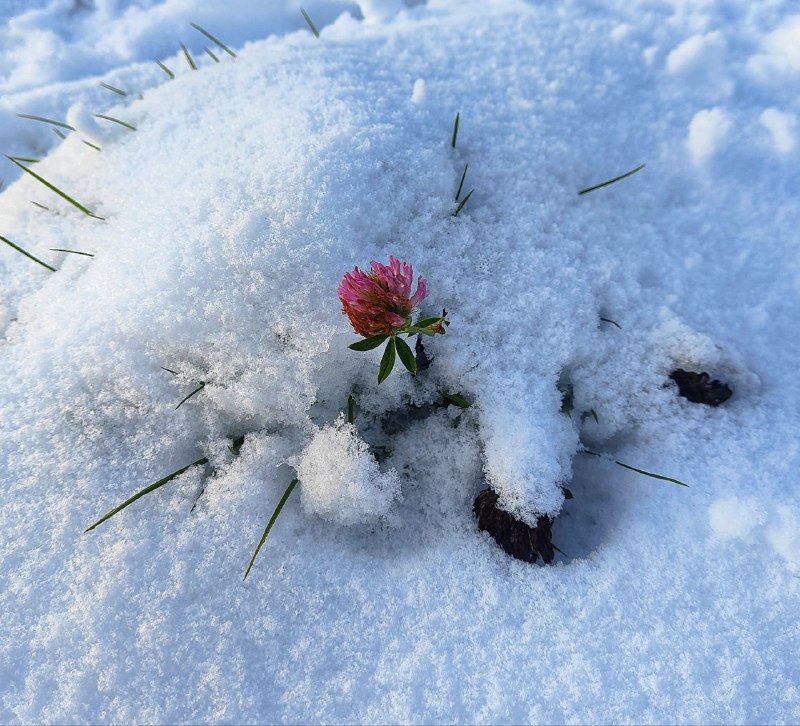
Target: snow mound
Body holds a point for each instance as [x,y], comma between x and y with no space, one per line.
[340,479]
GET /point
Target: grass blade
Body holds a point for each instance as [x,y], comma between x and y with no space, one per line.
[650,474]
[310,24]
[196,390]
[169,370]
[351,409]
[210,54]
[93,146]
[24,160]
[116,121]
[114,89]
[41,206]
[455,130]
[275,514]
[461,184]
[612,181]
[58,132]
[44,120]
[151,488]
[27,254]
[463,202]
[188,57]
[55,189]
[166,70]
[72,252]
[214,40]
[641,471]
[612,322]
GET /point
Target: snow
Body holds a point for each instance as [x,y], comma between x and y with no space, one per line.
[230,214]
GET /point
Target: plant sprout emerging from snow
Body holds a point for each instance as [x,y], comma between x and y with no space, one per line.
[380,305]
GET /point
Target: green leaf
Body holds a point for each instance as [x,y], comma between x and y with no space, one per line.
[463,202]
[612,181]
[427,322]
[461,185]
[165,69]
[214,40]
[406,356]
[387,362]
[310,24]
[196,390]
[368,343]
[116,121]
[27,254]
[55,189]
[46,121]
[114,89]
[275,514]
[146,490]
[567,493]
[189,58]
[457,399]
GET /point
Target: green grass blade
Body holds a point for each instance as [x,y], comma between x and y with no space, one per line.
[116,121]
[612,181]
[114,89]
[650,474]
[640,471]
[72,252]
[196,390]
[210,53]
[214,40]
[275,514]
[165,69]
[351,409]
[41,206]
[612,322]
[25,160]
[463,202]
[189,58]
[310,24]
[58,132]
[455,130]
[146,490]
[169,370]
[55,189]
[461,184]
[44,120]
[27,254]
[93,146]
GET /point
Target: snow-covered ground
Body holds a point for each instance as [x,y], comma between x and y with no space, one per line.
[229,217]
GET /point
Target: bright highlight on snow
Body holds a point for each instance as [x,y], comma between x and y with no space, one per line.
[295,535]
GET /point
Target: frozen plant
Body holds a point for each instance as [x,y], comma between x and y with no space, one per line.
[380,305]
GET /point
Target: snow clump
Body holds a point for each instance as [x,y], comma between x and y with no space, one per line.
[340,479]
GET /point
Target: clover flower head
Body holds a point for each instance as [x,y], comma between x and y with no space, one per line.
[380,302]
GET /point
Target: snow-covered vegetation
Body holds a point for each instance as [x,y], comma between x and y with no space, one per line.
[218,203]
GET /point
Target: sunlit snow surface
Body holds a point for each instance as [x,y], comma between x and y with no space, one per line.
[248,189]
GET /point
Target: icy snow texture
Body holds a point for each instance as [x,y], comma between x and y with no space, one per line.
[247,191]
[340,479]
